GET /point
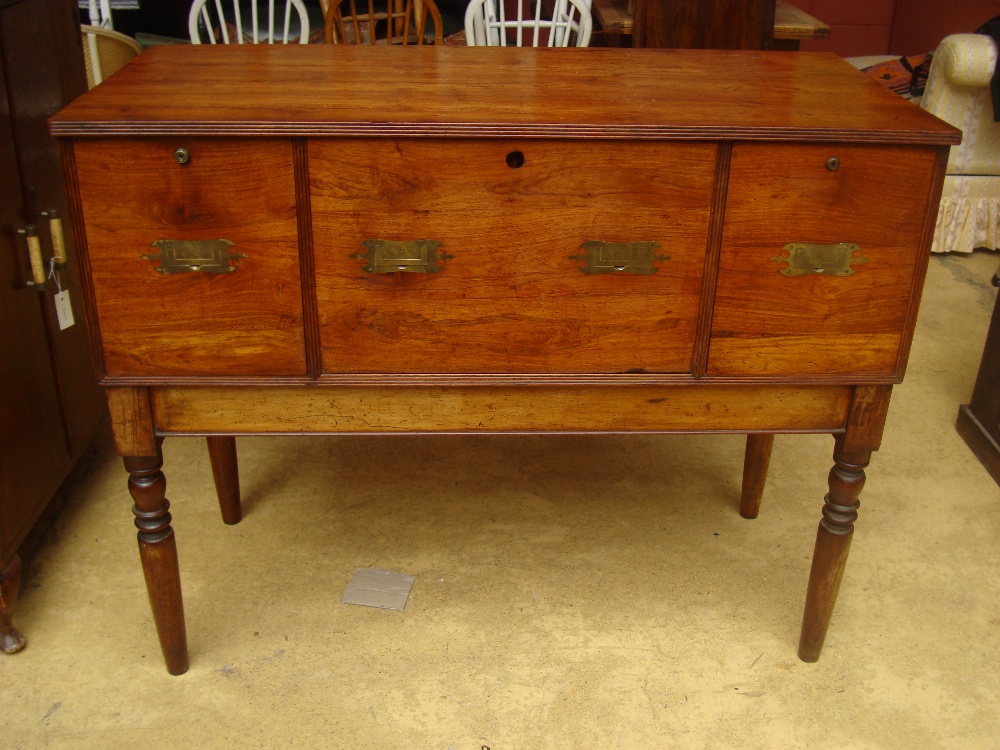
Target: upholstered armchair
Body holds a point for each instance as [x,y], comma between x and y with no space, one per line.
[958,90]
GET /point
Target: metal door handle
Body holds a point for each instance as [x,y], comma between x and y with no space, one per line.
[56,232]
[30,233]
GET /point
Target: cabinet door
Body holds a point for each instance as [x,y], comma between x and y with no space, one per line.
[33,449]
[773,324]
[43,59]
[510,292]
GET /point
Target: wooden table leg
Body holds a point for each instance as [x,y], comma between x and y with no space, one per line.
[755,463]
[851,454]
[11,641]
[833,542]
[158,551]
[225,470]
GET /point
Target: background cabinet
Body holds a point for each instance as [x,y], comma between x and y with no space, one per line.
[50,406]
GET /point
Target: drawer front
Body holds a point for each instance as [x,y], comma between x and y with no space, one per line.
[247,321]
[510,295]
[768,323]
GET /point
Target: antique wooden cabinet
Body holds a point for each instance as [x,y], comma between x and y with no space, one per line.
[337,240]
[50,405]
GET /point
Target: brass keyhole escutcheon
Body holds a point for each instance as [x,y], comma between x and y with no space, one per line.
[182,155]
[833,163]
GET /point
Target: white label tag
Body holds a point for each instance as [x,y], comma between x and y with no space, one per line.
[64,310]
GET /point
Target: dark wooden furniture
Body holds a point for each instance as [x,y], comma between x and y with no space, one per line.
[51,405]
[708,24]
[515,257]
[615,22]
[979,420]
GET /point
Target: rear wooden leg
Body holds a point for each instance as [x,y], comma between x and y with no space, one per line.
[222,452]
[755,463]
[11,641]
[158,552]
[833,542]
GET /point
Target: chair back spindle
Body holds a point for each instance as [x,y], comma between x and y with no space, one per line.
[223,23]
[397,22]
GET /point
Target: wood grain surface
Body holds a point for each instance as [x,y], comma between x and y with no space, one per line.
[770,324]
[511,298]
[247,322]
[718,24]
[132,421]
[497,92]
[493,410]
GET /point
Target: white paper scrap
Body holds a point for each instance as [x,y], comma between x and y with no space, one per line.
[373,587]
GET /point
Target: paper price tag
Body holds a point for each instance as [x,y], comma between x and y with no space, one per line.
[64,310]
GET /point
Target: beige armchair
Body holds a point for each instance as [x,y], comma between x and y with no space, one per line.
[958,91]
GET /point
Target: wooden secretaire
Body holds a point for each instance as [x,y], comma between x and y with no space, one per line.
[337,240]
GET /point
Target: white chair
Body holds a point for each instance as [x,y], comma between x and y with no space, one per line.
[210,16]
[568,23]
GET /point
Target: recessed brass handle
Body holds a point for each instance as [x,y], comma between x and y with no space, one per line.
[619,257]
[408,256]
[30,233]
[808,258]
[188,256]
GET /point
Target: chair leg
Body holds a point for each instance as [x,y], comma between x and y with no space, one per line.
[755,463]
[225,470]
[11,641]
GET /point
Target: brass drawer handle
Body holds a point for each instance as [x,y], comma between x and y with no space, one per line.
[806,259]
[409,256]
[186,256]
[619,257]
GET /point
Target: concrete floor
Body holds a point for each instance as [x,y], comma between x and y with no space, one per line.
[571,592]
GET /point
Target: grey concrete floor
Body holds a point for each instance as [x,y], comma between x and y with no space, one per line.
[571,592]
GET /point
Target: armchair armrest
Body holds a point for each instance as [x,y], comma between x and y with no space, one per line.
[967,59]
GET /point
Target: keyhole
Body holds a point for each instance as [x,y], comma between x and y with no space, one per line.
[515,160]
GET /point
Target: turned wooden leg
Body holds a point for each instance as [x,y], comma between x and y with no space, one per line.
[11,641]
[222,452]
[158,552]
[755,463]
[833,541]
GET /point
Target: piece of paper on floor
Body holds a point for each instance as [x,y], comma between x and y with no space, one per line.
[373,587]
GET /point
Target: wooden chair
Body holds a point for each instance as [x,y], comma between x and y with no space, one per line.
[400,22]
[220,27]
[105,51]
[552,23]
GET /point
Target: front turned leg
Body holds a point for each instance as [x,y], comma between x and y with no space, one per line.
[833,541]
[158,552]
[11,641]
[225,471]
[755,463]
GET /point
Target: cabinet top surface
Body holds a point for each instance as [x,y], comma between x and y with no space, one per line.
[496,92]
